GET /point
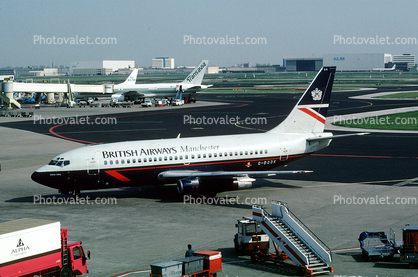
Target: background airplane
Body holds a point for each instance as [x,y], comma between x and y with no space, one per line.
[129,90]
[385,69]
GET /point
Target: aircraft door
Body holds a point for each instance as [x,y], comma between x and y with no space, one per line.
[92,161]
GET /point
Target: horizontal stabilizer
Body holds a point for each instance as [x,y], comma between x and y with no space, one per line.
[333,137]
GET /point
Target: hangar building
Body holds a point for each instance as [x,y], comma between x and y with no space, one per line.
[357,62]
[302,64]
[103,67]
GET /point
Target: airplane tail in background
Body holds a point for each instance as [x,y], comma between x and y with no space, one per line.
[309,114]
[196,76]
[131,80]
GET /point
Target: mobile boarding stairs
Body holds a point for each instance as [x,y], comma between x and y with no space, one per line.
[302,246]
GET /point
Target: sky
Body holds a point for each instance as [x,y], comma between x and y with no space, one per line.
[38,32]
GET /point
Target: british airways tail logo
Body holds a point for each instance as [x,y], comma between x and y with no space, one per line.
[316,94]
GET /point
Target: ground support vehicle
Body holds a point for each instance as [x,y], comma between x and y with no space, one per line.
[32,247]
[146,103]
[409,249]
[299,243]
[377,244]
[250,238]
[260,256]
[205,263]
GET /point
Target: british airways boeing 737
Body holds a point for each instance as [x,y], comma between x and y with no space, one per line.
[199,165]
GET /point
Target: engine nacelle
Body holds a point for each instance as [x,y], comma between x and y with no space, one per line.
[117,97]
[196,186]
[242,183]
[188,186]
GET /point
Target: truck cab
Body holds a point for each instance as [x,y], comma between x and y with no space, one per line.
[249,237]
[74,259]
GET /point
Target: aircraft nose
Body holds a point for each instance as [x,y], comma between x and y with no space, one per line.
[38,177]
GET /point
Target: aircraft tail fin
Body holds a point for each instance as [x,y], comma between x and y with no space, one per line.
[196,76]
[131,80]
[309,114]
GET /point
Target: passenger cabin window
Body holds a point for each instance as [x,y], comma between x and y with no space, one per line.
[105,162]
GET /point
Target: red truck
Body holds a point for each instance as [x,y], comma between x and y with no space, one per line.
[39,248]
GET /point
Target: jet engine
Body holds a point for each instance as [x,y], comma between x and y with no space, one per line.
[118,97]
[197,186]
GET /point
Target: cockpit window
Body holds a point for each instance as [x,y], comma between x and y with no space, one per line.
[59,162]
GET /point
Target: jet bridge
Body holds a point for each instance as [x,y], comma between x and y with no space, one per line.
[8,88]
[302,246]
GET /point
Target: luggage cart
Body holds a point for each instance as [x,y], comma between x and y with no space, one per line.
[377,244]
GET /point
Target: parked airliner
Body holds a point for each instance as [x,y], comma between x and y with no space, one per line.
[200,165]
[129,90]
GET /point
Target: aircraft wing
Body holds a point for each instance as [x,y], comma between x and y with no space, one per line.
[199,87]
[179,174]
[134,93]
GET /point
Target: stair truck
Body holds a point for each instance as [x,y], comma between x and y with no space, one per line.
[30,247]
[296,240]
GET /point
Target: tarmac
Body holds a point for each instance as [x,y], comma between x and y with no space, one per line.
[129,229]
